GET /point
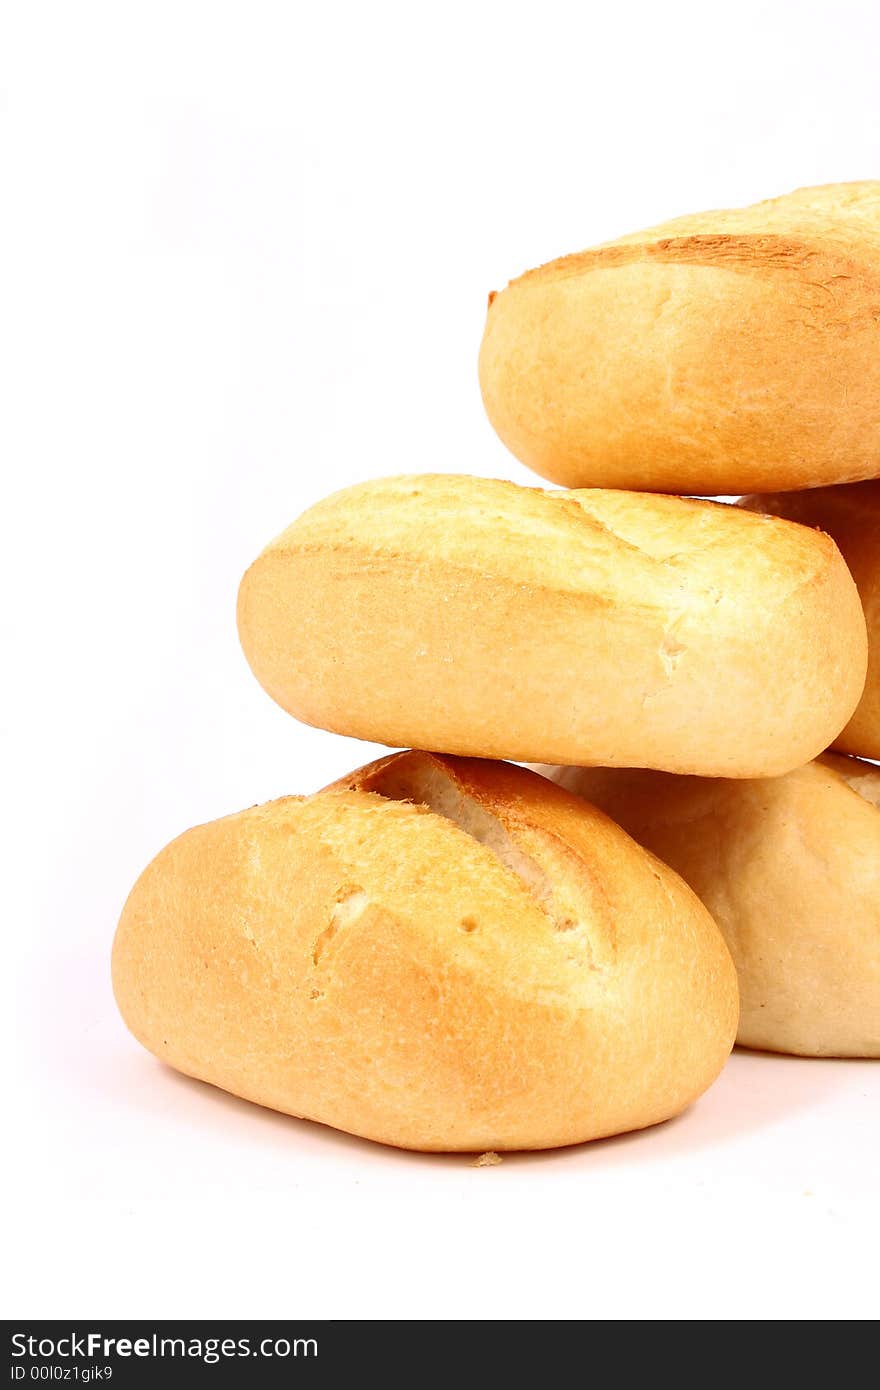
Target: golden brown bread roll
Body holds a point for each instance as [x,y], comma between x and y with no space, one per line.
[478,617]
[790,869]
[851,516]
[434,953]
[725,352]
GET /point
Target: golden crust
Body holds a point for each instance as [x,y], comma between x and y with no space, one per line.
[481,618]
[789,867]
[726,352]
[851,516]
[531,980]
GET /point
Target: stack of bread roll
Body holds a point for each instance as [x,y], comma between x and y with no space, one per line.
[448,951]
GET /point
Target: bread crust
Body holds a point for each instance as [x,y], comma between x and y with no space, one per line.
[362,960]
[721,353]
[485,619]
[789,867]
[851,516]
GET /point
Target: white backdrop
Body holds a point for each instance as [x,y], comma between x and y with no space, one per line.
[246,250]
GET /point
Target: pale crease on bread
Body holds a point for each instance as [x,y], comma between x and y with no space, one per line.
[851,516]
[790,869]
[436,953]
[477,617]
[721,353]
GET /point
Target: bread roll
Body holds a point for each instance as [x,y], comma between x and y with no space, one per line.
[851,516]
[725,352]
[434,953]
[477,617]
[789,867]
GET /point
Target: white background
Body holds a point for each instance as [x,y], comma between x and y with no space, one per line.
[245,251]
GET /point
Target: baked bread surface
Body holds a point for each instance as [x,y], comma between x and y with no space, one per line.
[437,953]
[720,353]
[851,516]
[789,867]
[481,618]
